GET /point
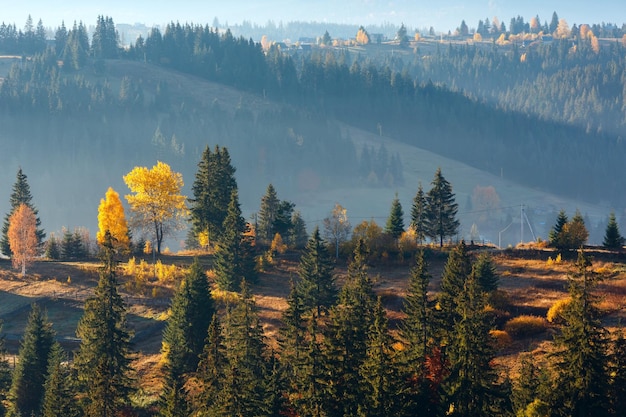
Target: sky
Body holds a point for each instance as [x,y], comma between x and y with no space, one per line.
[443,15]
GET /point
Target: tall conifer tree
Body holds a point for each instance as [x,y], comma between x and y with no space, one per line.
[417,331]
[58,396]
[347,336]
[418,215]
[184,338]
[441,209]
[212,189]
[234,257]
[267,215]
[379,375]
[244,390]
[395,221]
[581,362]
[103,360]
[317,283]
[612,237]
[27,388]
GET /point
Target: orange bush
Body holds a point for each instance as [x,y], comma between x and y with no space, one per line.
[525,325]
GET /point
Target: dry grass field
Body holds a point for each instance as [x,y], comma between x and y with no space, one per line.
[531,281]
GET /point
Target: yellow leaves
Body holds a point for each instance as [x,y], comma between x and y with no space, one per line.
[157,192]
[156,201]
[111,217]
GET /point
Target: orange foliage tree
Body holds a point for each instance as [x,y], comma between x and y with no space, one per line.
[111,217]
[23,236]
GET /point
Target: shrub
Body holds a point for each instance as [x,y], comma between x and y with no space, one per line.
[277,245]
[501,339]
[524,326]
[555,313]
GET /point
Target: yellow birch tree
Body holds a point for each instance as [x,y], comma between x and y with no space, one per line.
[156,203]
[22,235]
[111,217]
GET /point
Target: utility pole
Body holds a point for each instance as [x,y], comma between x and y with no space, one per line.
[521,223]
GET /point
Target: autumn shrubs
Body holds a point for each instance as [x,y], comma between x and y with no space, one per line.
[525,326]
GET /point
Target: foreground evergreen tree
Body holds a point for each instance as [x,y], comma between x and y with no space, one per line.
[416,331]
[5,374]
[441,210]
[612,237]
[210,373]
[418,215]
[618,374]
[532,389]
[20,195]
[486,274]
[317,284]
[191,314]
[234,256]
[27,387]
[58,397]
[472,388]
[453,281]
[184,338]
[581,360]
[395,221]
[103,359]
[245,383]
[212,189]
[347,335]
[380,378]
[292,337]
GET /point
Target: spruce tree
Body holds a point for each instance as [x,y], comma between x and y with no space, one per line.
[292,337]
[317,283]
[20,195]
[379,376]
[486,274]
[556,233]
[299,236]
[103,359]
[58,397]
[212,189]
[612,237]
[211,368]
[418,215]
[618,374]
[472,388]
[441,210]
[532,388]
[5,373]
[27,388]
[184,338]
[191,314]
[244,390]
[234,257]
[416,331]
[456,271]
[581,361]
[395,221]
[346,336]
[267,215]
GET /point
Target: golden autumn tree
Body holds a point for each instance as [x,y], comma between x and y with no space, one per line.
[362,36]
[157,204]
[23,236]
[111,217]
